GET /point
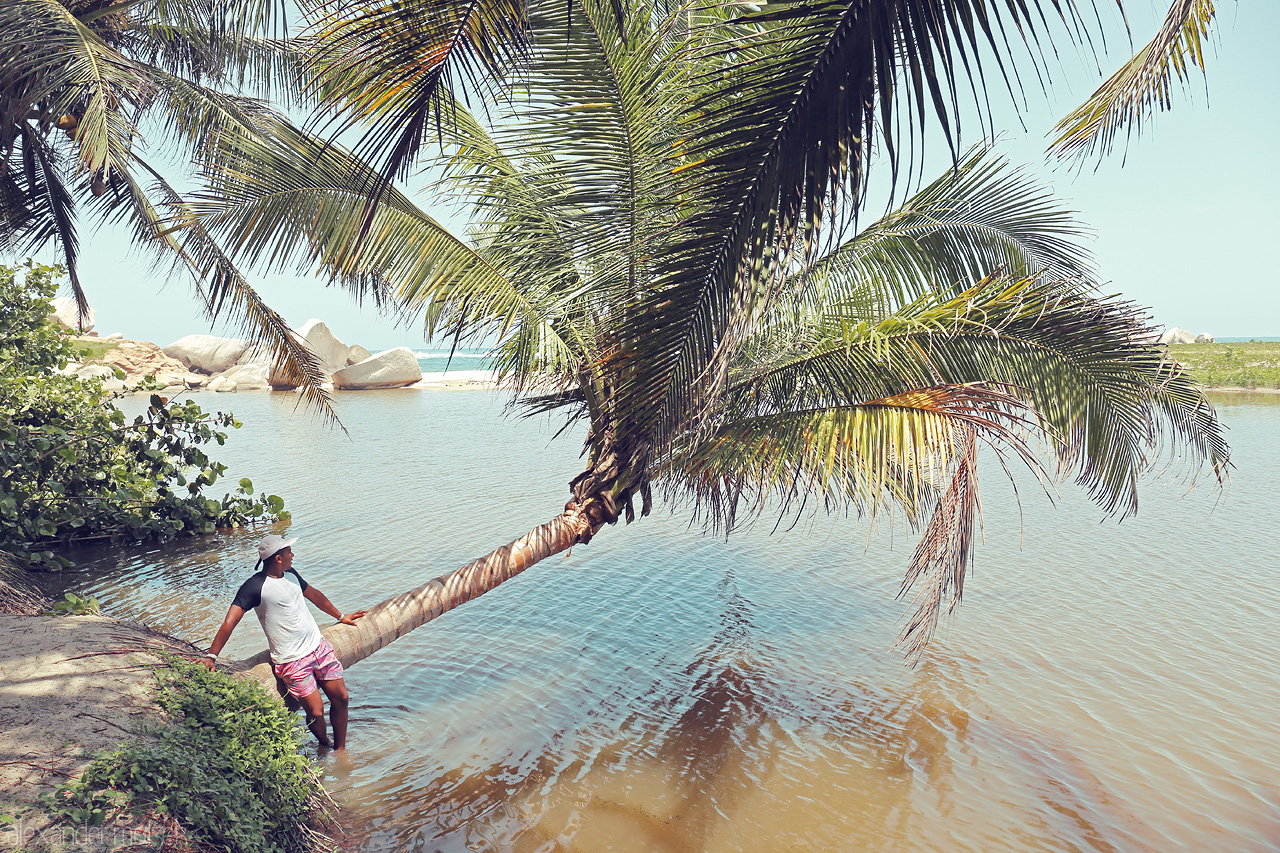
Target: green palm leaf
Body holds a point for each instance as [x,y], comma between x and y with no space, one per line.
[94,71]
[1014,364]
[395,66]
[980,218]
[1142,87]
[793,96]
[67,68]
[296,199]
[47,211]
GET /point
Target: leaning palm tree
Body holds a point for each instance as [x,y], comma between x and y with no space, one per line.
[726,370]
[84,83]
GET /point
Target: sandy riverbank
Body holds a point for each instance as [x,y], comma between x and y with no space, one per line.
[70,686]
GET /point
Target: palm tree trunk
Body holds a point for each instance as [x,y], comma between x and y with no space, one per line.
[398,615]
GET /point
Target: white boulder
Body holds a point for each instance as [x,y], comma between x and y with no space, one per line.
[222,384]
[325,344]
[248,377]
[171,380]
[394,368]
[255,371]
[1177,335]
[66,314]
[315,334]
[1204,338]
[317,337]
[256,355]
[114,336]
[357,354]
[113,386]
[95,371]
[207,353]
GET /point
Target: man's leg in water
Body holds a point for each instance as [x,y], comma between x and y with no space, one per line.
[313,704]
[336,690]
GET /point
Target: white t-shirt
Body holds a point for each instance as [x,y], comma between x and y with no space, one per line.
[291,630]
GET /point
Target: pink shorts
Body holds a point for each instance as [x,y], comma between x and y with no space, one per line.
[300,675]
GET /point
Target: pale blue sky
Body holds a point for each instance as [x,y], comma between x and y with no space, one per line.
[1181,218]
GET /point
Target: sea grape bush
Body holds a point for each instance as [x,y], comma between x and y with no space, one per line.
[226,760]
[73,469]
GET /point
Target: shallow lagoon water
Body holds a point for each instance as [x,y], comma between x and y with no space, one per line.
[1104,686]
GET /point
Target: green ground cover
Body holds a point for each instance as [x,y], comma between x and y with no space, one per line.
[226,761]
[93,350]
[1251,364]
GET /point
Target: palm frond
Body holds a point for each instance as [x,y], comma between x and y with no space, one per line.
[394,66]
[977,219]
[567,191]
[941,559]
[196,118]
[294,198]
[1034,368]
[793,96]
[597,103]
[52,214]
[68,69]
[1142,87]
[894,452]
[264,66]
[1102,397]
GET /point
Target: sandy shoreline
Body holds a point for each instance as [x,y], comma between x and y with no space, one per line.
[487,380]
[1233,389]
[70,686]
[476,380]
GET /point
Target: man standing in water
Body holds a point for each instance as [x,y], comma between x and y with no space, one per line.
[300,654]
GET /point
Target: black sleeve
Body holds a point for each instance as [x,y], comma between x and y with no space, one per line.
[301,582]
[249,595]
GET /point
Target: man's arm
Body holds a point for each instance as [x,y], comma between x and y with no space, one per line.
[317,598]
[234,615]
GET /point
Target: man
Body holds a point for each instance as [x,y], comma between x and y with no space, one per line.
[302,657]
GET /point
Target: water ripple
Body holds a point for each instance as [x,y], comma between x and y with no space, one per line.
[1104,687]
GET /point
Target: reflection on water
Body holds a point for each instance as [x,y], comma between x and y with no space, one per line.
[1104,687]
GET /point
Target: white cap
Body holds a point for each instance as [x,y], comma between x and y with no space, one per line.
[271,543]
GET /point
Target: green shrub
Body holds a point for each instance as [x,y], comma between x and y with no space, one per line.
[227,763]
[72,469]
[75,605]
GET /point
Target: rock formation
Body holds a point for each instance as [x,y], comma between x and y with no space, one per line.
[394,368]
[140,358]
[1177,335]
[248,377]
[325,344]
[231,364]
[66,315]
[206,353]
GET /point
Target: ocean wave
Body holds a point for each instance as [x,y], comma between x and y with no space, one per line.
[445,354]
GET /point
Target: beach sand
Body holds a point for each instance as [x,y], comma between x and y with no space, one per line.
[70,686]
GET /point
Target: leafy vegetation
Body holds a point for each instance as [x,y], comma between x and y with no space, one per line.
[1244,364]
[226,761]
[76,605]
[72,469]
[93,350]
